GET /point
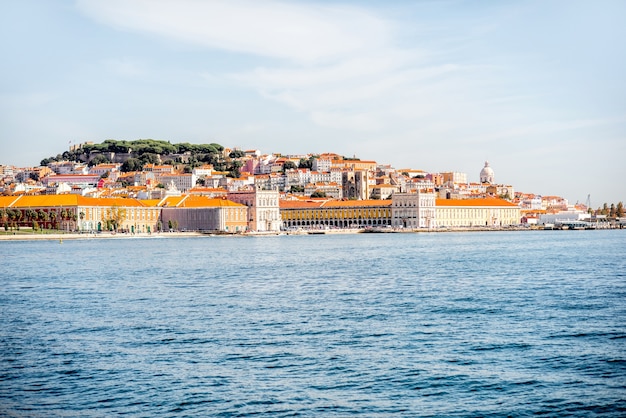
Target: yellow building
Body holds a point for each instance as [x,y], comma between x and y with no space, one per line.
[335,213]
[78,213]
[476,212]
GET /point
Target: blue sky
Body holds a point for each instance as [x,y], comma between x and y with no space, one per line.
[538,88]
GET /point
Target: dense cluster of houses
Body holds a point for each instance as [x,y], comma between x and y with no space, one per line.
[271,193]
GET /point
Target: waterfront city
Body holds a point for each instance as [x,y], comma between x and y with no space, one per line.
[147,186]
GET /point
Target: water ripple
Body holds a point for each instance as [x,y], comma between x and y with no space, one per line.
[493,324]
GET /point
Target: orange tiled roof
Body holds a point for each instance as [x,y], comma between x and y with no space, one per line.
[170,201]
[6,201]
[109,202]
[195,201]
[151,202]
[64,200]
[48,200]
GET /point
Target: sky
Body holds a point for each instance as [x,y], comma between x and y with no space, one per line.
[537,88]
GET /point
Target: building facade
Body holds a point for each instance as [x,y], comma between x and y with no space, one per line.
[308,214]
[263,208]
[73,212]
[413,210]
[489,212]
[202,213]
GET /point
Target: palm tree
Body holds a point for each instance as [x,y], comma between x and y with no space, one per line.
[11,215]
[53,218]
[43,216]
[31,215]
[4,215]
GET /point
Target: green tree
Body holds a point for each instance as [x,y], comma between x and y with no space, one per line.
[184,147]
[98,159]
[53,218]
[604,210]
[306,163]
[289,165]
[207,149]
[149,158]
[318,193]
[4,217]
[43,216]
[233,169]
[116,216]
[236,154]
[218,147]
[31,215]
[132,164]
[14,215]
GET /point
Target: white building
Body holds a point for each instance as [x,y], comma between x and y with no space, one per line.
[320,176]
[183,182]
[101,169]
[413,210]
[333,190]
[297,177]
[486,212]
[263,209]
[415,184]
[322,164]
[205,170]
[564,216]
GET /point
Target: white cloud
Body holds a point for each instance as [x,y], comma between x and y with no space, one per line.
[286,30]
[338,64]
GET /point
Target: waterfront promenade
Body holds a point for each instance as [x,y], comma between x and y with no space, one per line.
[61,236]
[20,236]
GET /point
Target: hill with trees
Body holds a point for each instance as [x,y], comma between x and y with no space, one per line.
[135,154]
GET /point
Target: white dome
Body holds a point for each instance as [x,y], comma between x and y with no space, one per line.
[486,174]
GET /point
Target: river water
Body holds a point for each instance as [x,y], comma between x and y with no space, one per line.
[430,324]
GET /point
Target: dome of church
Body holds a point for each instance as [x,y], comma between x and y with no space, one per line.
[486,174]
